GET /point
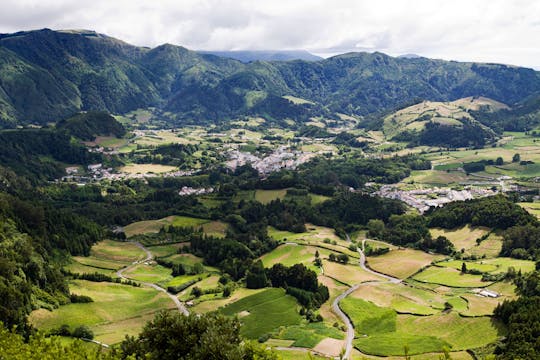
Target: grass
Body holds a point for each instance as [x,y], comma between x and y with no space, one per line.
[504,263]
[382,332]
[298,355]
[315,236]
[533,208]
[215,304]
[78,268]
[318,199]
[368,318]
[117,310]
[402,298]
[267,310]
[480,265]
[117,251]
[401,263]
[394,344]
[266,196]
[308,335]
[290,254]
[149,273]
[460,332]
[215,228]
[107,256]
[164,250]
[462,238]
[449,277]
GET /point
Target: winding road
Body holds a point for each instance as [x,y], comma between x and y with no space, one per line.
[149,257]
[335,305]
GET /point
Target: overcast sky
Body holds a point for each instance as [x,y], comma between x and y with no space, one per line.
[476,30]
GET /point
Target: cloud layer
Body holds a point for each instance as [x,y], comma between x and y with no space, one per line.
[480,30]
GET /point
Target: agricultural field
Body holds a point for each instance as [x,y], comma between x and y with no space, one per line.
[319,236]
[462,238]
[349,274]
[147,168]
[307,335]
[266,196]
[153,226]
[290,254]
[381,331]
[117,310]
[450,277]
[106,257]
[401,263]
[531,207]
[264,312]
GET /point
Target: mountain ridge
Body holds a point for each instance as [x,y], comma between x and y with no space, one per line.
[48,75]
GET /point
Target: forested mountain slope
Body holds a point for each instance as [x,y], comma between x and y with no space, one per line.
[47,75]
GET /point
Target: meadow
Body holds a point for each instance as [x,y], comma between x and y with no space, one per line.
[450,277]
[117,310]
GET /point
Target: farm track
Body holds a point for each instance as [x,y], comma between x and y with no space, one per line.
[120,273]
[335,305]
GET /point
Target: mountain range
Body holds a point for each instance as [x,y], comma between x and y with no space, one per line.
[48,75]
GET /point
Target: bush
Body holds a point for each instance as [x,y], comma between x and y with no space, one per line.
[74,298]
[83,332]
[178,288]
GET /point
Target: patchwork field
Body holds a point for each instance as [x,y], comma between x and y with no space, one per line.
[117,310]
[381,331]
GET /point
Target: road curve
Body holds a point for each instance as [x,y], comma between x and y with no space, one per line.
[149,257]
[335,305]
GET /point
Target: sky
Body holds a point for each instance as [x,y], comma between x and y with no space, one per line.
[465,30]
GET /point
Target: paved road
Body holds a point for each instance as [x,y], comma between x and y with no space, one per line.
[149,257]
[335,305]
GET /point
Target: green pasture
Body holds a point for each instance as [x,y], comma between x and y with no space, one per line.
[264,312]
[117,310]
[307,335]
[449,277]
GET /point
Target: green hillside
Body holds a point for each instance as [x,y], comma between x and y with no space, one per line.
[62,72]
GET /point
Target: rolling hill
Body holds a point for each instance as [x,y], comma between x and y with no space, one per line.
[48,75]
[443,123]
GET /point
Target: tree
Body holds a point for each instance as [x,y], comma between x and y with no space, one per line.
[173,336]
[463,268]
[499,161]
[516,158]
[196,291]
[332,257]
[83,332]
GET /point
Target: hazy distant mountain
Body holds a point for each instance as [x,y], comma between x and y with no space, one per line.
[47,75]
[409,56]
[246,56]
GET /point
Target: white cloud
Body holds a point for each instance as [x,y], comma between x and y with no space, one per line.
[481,30]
